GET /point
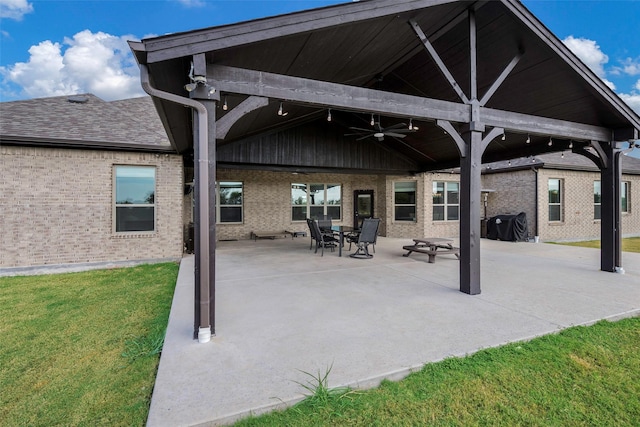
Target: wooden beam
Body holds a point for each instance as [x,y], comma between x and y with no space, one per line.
[473,55]
[501,78]
[352,98]
[439,62]
[525,123]
[212,39]
[333,95]
[228,120]
[490,137]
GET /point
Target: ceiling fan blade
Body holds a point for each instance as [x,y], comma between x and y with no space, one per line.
[395,135]
[356,134]
[360,129]
[397,126]
[363,137]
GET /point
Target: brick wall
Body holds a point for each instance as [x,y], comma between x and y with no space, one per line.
[515,192]
[57,207]
[578,221]
[267,199]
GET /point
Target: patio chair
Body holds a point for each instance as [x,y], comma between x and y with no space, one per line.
[368,236]
[325,222]
[355,235]
[322,239]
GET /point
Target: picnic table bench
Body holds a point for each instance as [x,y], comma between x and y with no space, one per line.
[432,246]
[255,235]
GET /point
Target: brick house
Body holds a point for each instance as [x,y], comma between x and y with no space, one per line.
[85,181]
[560,193]
[60,174]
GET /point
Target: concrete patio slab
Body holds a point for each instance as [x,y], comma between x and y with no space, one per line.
[282,310]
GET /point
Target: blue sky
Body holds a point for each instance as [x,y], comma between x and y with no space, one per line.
[51,47]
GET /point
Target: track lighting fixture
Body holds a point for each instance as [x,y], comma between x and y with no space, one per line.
[528,141]
[504,136]
[329,115]
[225,107]
[373,122]
[550,143]
[570,144]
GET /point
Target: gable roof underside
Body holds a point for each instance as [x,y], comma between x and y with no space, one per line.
[371,44]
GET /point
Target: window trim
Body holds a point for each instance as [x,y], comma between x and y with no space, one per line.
[308,204]
[415,205]
[219,205]
[115,205]
[560,203]
[446,203]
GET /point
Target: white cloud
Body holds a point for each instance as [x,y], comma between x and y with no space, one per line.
[631,66]
[15,9]
[589,52]
[632,99]
[192,3]
[97,63]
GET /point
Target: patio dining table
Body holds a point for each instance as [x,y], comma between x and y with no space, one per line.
[341,229]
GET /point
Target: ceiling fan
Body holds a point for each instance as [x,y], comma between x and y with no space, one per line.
[399,130]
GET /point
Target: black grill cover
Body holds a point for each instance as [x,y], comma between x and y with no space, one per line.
[511,228]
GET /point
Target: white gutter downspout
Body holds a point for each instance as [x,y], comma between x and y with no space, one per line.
[204,330]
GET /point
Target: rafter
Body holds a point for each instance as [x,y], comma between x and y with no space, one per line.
[225,123]
[439,62]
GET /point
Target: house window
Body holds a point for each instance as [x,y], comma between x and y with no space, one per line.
[134,197]
[597,200]
[624,196]
[404,201]
[446,201]
[316,201]
[229,202]
[555,200]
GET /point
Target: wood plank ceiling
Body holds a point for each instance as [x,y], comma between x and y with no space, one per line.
[383,52]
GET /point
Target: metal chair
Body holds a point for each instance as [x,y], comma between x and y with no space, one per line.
[322,239]
[368,236]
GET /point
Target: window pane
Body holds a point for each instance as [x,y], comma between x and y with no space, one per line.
[438,213]
[452,193]
[452,213]
[438,193]
[333,212]
[134,218]
[316,194]
[317,212]
[334,194]
[299,194]
[135,185]
[597,212]
[597,194]
[405,213]
[230,214]
[554,191]
[554,213]
[299,213]
[230,193]
[624,191]
[405,192]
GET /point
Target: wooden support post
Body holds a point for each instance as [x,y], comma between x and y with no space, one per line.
[470,189]
[610,232]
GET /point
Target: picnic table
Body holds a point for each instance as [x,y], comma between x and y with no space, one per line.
[432,246]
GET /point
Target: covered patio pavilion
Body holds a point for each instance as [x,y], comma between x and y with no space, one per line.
[483,81]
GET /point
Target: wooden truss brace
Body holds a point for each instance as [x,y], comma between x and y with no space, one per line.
[225,123]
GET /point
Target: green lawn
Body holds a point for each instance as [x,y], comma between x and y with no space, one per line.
[82,349]
[630,244]
[583,376]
